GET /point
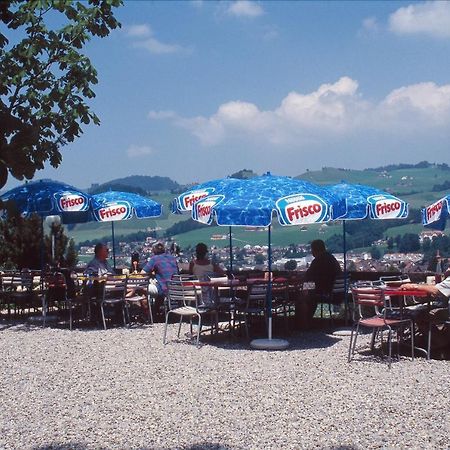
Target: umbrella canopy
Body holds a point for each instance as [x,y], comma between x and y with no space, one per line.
[49,198]
[185,201]
[435,216]
[366,201]
[252,203]
[113,206]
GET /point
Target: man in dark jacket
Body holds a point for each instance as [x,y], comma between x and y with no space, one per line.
[323,271]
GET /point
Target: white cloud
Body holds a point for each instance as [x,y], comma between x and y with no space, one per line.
[136,151]
[333,109]
[196,3]
[430,18]
[245,8]
[139,31]
[144,37]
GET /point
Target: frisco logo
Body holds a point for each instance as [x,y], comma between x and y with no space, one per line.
[204,208]
[114,211]
[386,207]
[301,209]
[72,202]
[433,212]
[187,201]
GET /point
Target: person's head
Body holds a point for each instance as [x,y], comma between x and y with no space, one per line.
[159,249]
[201,250]
[318,247]
[101,251]
[135,257]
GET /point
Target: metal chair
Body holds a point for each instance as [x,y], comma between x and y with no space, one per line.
[137,293]
[337,296]
[184,299]
[256,303]
[113,294]
[374,299]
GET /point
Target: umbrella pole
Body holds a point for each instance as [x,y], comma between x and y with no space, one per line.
[113,244]
[269,287]
[344,232]
[231,251]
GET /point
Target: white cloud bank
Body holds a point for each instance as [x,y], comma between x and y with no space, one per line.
[245,8]
[144,37]
[336,109]
[429,18]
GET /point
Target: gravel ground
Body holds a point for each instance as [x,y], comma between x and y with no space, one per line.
[122,389]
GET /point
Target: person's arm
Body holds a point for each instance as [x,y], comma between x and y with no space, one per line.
[149,267]
[218,270]
[428,288]
[311,272]
[191,267]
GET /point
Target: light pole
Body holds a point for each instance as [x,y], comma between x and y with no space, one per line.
[52,222]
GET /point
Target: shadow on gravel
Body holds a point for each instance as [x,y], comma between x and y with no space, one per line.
[62,446]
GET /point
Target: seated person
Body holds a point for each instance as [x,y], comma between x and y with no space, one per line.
[202,266]
[439,309]
[163,266]
[323,271]
[99,264]
[135,264]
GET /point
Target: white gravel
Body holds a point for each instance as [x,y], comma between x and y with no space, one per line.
[122,389]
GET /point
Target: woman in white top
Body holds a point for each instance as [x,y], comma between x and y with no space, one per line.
[201,266]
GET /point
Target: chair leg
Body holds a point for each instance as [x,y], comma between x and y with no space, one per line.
[356,337]
[150,314]
[103,316]
[390,346]
[429,342]
[412,340]
[165,328]
[123,315]
[70,316]
[199,330]
[179,326]
[350,344]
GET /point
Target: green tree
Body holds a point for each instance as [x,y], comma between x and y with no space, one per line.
[45,79]
[291,264]
[375,252]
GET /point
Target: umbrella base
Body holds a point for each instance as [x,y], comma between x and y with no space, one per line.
[269,344]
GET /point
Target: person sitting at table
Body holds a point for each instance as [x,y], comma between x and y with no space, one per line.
[323,271]
[202,266]
[99,264]
[439,310]
[135,264]
[163,266]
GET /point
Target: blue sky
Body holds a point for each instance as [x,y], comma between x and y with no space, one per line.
[196,90]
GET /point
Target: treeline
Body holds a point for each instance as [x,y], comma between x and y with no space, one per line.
[117,187]
[139,236]
[441,187]
[419,165]
[183,227]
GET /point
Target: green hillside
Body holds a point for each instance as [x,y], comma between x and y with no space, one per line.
[412,184]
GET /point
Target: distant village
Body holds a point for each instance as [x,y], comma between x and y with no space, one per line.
[254,257]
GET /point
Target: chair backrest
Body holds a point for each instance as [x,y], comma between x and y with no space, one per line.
[114,286]
[55,286]
[141,282]
[368,298]
[257,295]
[180,294]
[341,284]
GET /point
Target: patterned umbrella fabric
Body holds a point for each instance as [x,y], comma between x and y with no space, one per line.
[113,206]
[435,216]
[252,203]
[366,201]
[49,198]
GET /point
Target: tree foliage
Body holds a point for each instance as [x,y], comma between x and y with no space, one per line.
[22,246]
[45,79]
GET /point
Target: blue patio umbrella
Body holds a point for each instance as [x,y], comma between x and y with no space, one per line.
[185,201]
[435,215]
[366,202]
[50,198]
[112,206]
[253,202]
